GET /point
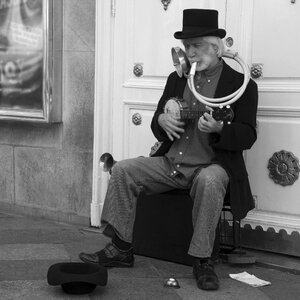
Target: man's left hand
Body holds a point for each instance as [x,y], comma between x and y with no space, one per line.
[208,124]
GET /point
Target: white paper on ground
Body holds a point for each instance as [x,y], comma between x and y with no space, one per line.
[249,279]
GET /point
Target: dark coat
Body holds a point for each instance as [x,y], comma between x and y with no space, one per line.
[234,138]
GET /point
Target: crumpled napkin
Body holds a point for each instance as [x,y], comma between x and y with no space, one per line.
[249,279]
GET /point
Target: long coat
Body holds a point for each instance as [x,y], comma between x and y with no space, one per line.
[234,138]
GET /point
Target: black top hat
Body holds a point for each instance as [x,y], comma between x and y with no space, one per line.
[198,23]
[76,277]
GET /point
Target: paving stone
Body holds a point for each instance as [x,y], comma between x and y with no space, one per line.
[34,289]
[165,269]
[25,269]
[32,252]
[284,285]
[122,288]
[38,236]
[229,290]
[18,222]
[143,268]
[8,221]
[28,247]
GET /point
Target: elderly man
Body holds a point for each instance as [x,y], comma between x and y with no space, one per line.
[203,155]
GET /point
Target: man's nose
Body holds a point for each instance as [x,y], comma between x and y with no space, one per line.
[191,51]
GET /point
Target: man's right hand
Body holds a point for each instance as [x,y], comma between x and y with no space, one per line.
[172,126]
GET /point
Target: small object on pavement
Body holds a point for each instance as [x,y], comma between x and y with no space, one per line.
[171,283]
[249,279]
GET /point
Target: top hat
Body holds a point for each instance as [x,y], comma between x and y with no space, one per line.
[198,23]
[76,277]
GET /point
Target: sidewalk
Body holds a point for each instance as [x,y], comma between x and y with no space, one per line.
[28,247]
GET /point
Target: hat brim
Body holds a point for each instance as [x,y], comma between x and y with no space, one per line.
[78,288]
[181,35]
[62,273]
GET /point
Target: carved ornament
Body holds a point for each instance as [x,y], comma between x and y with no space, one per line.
[284,168]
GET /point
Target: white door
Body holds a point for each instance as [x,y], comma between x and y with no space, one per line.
[133,54]
[133,59]
[143,39]
[267,32]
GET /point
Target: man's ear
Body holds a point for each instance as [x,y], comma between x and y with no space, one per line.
[216,48]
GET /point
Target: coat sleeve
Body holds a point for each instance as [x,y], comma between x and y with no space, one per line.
[241,133]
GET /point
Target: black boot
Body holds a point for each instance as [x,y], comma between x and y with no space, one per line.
[205,275]
[110,256]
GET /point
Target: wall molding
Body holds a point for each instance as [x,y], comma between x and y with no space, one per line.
[289,223]
[155,83]
[278,85]
[263,111]
[131,104]
[264,85]
[278,111]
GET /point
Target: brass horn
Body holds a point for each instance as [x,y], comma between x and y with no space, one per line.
[183,68]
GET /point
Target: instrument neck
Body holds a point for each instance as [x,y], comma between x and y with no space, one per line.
[192,114]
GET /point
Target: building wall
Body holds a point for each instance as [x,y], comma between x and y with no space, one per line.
[46,170]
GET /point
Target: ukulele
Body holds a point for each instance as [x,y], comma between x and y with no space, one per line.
[179,109]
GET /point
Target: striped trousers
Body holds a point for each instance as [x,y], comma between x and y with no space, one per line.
[154,175]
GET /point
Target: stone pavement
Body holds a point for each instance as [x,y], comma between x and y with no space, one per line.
[28,247]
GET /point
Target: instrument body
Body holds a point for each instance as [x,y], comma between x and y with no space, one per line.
[179,109]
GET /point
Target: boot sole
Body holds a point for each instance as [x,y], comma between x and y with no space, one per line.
[118,264]
[111,264]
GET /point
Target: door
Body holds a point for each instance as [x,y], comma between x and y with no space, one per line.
[134,43]
[132,62]
[266,32]
[142,61]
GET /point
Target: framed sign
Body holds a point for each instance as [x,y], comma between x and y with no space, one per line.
[31,60]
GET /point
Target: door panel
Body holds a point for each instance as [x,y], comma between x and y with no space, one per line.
[153,30]
[264,33]
[275,43]
[271,196]
[139,134]
[273,26]
[144,37]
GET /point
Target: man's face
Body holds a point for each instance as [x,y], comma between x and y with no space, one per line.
[200,51]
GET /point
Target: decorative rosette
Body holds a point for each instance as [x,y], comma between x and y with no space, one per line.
[137,119]
[284,168]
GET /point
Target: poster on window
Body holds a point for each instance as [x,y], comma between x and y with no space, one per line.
[21,54]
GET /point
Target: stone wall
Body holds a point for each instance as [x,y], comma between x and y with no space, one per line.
[46,170]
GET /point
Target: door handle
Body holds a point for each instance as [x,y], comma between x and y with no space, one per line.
[137,119]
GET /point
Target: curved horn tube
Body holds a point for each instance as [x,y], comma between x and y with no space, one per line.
[182,66]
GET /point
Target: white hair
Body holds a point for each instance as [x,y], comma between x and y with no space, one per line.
[216,41]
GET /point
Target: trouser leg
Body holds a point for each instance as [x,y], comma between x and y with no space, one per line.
[208,192]
[128,178]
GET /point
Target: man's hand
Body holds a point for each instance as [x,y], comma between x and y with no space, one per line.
[208,124]
[172,126]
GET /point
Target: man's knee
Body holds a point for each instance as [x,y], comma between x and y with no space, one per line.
[213,174]
[123,165]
